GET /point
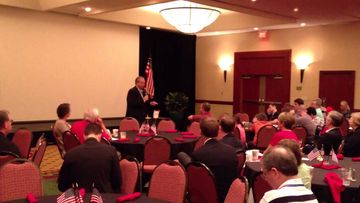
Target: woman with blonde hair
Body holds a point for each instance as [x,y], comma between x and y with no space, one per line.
[352,141]
[345,109]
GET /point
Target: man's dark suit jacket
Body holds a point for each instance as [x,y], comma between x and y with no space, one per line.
[91,162]
[352,144]
[222,161]
[233,141]
[136,107]
[331,139]
[7,145]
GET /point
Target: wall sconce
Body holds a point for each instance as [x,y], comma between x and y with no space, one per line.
[225,64]
[302,62]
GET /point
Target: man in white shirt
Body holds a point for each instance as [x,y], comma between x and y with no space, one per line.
[280,171]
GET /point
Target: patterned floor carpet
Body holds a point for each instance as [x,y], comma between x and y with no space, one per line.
[51,163]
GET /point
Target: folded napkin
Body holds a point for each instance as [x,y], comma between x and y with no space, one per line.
[340,156]
[179,139]
[144,134]
[336,185]
[186,133]
[326,167]
[356,159]
[128,197]
[31,198]
[136,139]
[123,139]
[189,136]
[171,131]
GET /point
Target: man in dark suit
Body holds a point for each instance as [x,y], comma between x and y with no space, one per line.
[332,137]
[227,125]
[91,163]
[220,158]
[138,101]
[5,128]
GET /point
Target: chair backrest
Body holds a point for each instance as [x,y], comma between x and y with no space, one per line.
[344,127]
[200,142]
[40,152]
[260,186]
[59,143]
[18,178]
[241,160]
[201,183]
[22,140]
[166,124]
[238,191]
[195,128]
[157,150]
[130,173]
[239,132]
[129,124]
[264,136]
[301,133]
[168,182]
[70,140]
[6,156]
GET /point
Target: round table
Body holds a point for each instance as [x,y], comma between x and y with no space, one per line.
[136,149]
[320,189]
[107,198]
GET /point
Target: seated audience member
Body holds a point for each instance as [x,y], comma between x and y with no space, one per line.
[352,141]
[5,128]
[288,108]
[204,112]
[345,109]
[304,170]
[316,104]
[92,162]
[91,116]
[332,137]
[61,125]
[298,102]
[227,125]
[220,158]
[311,111]
[303,119]
[280,170]
[272,113]
[259,121]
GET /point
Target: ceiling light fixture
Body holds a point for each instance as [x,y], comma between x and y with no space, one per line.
[88,9]
[190,19]
[302,24]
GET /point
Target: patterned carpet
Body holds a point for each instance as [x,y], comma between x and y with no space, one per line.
[51,163]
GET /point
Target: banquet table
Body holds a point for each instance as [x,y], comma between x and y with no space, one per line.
[107,198]
[320,189]
[136,149]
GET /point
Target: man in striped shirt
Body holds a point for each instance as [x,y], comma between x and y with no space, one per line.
[280,171]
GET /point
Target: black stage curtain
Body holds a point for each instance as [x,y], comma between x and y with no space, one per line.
[173,63]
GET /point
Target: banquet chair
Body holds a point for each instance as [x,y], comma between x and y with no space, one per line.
[130,174]
[22,139]
[60,145]
[239,132]
[240,154]
[200,142]
[129,124]
[39,152]
[157,150]
[344,127]
[168,182]
[70,140]
[201,183]
[195,128]
[238,191]
[6,156]
[264,136]
[166,124]
[18,178]
[260,187]
[301,133]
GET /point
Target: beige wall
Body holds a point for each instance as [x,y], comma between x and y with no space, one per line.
[334,47]
[48,58]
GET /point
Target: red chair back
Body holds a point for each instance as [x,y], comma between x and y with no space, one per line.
[168,182]
[239,132]
[40,152]
[59,142]
[238,191]
[195,128]
[129,124]
[166,124]
[301,133]
[201,183]
[241,161]
[70,140]
[260,186]
[344,127]
[130,172]
[22,139]
[157,150]
[6,156]
[264,136]
[17,179]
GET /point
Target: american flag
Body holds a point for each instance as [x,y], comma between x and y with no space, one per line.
[69,197]
[313,154]
[149,78]
[95,196]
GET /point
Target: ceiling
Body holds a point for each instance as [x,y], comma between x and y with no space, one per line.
[236,15]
